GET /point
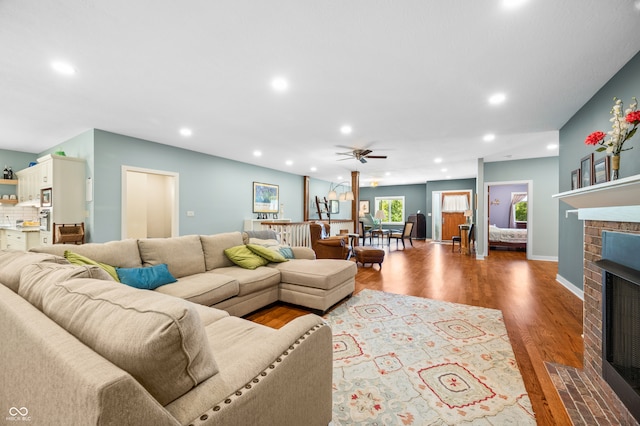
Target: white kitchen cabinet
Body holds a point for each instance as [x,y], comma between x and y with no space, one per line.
[65,176]
[28,185]
[21,240]
[45,238]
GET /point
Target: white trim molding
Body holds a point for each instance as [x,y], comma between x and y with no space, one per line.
[570,286]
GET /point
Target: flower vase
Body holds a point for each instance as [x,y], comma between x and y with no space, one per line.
[615,166]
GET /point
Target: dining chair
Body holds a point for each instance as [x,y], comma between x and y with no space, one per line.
[401,235]
[364,234]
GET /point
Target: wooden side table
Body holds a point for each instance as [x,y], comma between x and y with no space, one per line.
[464,238]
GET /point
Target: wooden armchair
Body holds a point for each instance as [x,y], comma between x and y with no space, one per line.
[402,234]
[336,247]
[365,233]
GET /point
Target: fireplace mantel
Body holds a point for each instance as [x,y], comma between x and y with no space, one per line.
[617,200]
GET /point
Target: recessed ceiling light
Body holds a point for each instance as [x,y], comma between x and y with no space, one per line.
[186,132]
[497,99]
[387,174]
[64,68]
[289,163]
[346,129]
[489,137]
[443,170]
[552,146]
[513,4]
[257,153]
[279,84]
[437,160]
[314,169]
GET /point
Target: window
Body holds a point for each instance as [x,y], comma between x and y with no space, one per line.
[519,206]
[393,208]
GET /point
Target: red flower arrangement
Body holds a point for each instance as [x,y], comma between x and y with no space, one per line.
[633,117]
[594,138]
[624,126]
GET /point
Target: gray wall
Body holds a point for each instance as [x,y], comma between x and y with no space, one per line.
[543,219]
[415,196]
[321,188]
[17,160]
[218,190]
[594,115]
[447,185]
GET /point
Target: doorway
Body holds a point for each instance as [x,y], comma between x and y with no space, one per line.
[447,211]
[504,229]
[149,203]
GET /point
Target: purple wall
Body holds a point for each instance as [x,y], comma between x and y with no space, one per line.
[499,214]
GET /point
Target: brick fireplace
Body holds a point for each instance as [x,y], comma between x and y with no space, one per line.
[593,305]
[613,207]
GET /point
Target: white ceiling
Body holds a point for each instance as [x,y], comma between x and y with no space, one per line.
[411,77]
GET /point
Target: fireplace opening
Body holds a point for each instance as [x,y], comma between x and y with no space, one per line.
[621,317]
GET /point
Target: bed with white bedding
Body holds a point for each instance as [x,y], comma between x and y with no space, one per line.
[507,237]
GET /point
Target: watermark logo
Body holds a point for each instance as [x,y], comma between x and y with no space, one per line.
[18,415]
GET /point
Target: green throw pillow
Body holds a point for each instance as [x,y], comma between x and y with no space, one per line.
[267,253]
[78,259]
[147,278]
[245,258]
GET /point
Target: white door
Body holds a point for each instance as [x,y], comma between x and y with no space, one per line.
[149,203]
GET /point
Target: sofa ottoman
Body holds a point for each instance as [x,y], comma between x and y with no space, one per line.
[371,255]
[317,284]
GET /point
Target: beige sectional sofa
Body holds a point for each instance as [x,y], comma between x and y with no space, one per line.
[87,350]
[206,275]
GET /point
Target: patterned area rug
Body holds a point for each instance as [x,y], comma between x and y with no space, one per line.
[402,360]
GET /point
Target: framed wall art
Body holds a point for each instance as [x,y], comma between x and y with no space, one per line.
[334,206]
[575,179]
[586,171]
[45,197]
[601,169]
[364,207]
[265,198]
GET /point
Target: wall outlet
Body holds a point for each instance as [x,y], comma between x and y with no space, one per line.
[191,213]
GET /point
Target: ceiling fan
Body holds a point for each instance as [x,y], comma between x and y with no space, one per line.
[359,154]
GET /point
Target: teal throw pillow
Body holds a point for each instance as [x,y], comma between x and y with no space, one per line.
[286,252]
[245,258]
[147,278]
[267,253]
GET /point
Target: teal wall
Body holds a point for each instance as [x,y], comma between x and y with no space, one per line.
[445,185]
[218,190]
[17,160]
[320,188]
[414,197]
[594,115]
[543,218]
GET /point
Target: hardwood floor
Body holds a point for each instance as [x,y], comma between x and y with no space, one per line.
[543,319]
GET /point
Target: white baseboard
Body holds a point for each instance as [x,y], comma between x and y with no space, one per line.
[545,258]
[479,256]
[571,287]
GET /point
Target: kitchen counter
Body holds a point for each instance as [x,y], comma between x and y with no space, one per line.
[19,238]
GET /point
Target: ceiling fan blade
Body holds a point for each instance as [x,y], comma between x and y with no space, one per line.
[350,148]
[363,152]
[345,153]
[376,156]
